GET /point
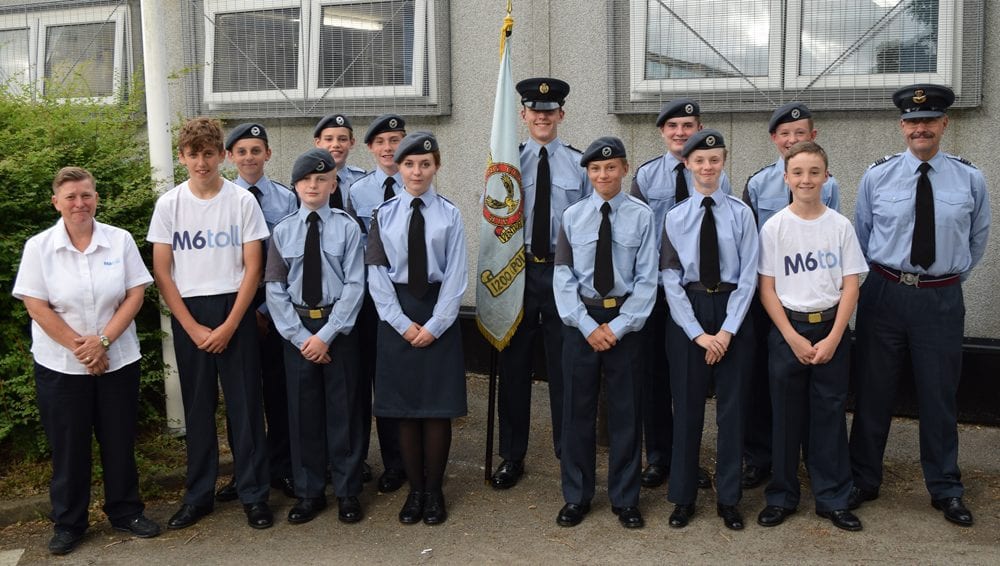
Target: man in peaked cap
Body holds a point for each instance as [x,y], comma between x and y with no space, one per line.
[922,218]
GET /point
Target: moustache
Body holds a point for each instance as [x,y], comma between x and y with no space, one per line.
[918,135]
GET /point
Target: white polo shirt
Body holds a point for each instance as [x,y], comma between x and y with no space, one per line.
[83,288]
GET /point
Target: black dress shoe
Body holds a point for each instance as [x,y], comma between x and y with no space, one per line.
[629,517]
[64,542]
[508,474]
[413,508]
[954,510]
[773,515]
[859,496]
[391,480]
[842,519]
[704,480]
[138,526]
[366,472]
[753,476]
[187,515]
[349,510]
[286,485]
[259,515]
[434,509]
[306,509]
[731,517]
[654,475]
[227,492]
[572,513]
[681,516]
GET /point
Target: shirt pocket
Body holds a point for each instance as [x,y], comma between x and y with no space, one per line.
[893,204]
[569,190]
[772,204]
[584,244]
[952,207]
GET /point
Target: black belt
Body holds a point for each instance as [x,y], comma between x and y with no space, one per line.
[720,288]
[813,317]
[314,313]
[914,279]
[606,302]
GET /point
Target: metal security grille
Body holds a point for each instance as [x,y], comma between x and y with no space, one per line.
[756,54]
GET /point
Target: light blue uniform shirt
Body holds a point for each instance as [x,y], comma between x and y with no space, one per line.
[349,175]
[767,193]
[886,205]
[655,183]
[680,255]
[569,184]
[276,200]
[367,193]
[343,273]
[388,251]
[633,254]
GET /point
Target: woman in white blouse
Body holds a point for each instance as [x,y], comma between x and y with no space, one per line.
[82,283]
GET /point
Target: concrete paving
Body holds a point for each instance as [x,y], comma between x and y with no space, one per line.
[518,526]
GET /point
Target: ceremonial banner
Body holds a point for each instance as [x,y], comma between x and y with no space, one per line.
[500,281]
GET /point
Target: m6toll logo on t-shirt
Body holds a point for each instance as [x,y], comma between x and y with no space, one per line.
[821,259]
[208,239]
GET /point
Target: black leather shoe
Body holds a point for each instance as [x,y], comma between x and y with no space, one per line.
[366,472]
[731,517]
[413,509]
[187,515]
[138,526]
[773,515]
[704,480]
[681,516]
[654,475]
[859,496]
[629,517]
[842,519]
[954,510]
[435,512]
[259,515]
[286,485]
[306,509]
[227,492]
[753,476]
[349,510]
[508,474]
[572,513]
[391,480]
[64,542]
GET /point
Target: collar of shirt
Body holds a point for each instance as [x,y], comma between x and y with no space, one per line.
[912,162]
[405,198]
[616,201]
[323,211]
[263,183]
[670,161]
[97,239]
[552,147]
[718,196]
[380,176]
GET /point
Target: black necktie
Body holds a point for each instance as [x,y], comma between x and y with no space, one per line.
[312,270]
[681,186]
[256,194]
[418,251]
[709,265]
[543,197]
[387,192]
[922,250]
[336,198]
[604,271]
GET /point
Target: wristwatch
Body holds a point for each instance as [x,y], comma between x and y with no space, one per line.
[105,341]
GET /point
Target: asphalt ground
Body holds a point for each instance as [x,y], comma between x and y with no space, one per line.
[518,526]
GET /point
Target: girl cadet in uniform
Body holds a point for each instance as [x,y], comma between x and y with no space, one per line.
[416,276]
[708,263]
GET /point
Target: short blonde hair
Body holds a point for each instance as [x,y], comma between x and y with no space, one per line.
[70,174]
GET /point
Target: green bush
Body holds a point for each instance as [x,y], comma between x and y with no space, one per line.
[37,137]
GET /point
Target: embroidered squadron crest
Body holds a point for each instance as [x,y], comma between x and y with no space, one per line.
[919,97]
[255,131]
[606,152]
[339,120]
[710,141]
[393,123]
[796,113]
[689,109]
[428,145]
[543,88]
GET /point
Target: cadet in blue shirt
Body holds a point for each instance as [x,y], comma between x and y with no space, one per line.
[605,286]
[766,193]
[417,273]
[661,183]
[552,180]
[923,220]
[708,262]
[315,282]
[335,134]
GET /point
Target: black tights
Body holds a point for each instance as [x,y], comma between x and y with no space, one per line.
[424,445]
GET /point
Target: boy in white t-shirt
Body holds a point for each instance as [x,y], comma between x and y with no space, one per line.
[207,263]
[810,262]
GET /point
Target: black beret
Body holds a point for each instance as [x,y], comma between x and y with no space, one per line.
[417,143]
[923,100]
[384,123]
[703,139]
[607,147]
[679,107]
[543,93]
[332,121]
[791,112]
[313,161]
[243,131]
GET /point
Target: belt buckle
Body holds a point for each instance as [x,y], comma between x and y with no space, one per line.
[909,279]
[609,303]
[315,313]
[815,317]
[714,289]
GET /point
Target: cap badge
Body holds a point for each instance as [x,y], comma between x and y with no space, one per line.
[393,122]
[543,88]
[606,152]
[795,114]
[919,97]
[255,131]
[710,141]
[339,120]
[320,166]
[689,109]
[428,145]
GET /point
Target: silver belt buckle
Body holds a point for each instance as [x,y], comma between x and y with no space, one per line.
[909,279]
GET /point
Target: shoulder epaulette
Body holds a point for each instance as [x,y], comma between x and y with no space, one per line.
[761,170]
[285,217]
[963,160]
[566,145]
[368,174]
[739,200]
[882,160]
[282,185]
[520,147]
[356,169]
[648,161]
[445,199]
[638,201]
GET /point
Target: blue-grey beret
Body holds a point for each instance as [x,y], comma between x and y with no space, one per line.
[677,108]
[385,123]
[313,161]
[243,131]
[417,143]
[332,121]
[607,147]
[703,139]
[791,112]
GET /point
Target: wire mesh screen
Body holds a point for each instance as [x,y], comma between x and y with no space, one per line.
[756,54]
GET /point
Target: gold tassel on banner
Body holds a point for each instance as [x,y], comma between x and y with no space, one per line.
[508,27]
